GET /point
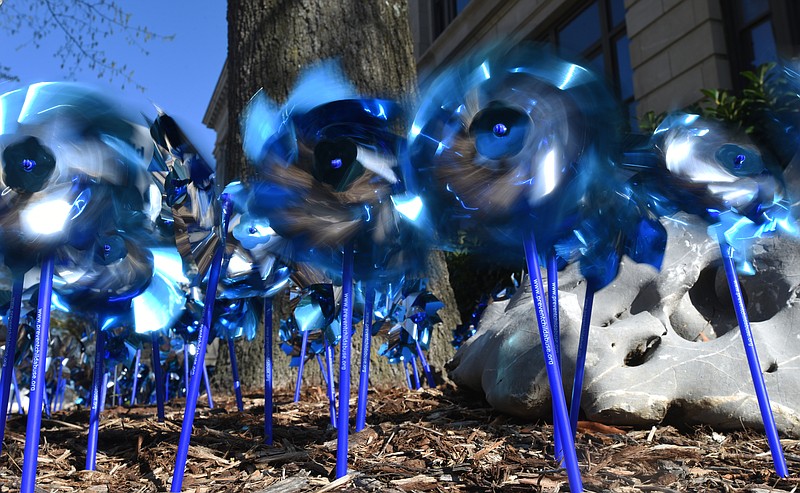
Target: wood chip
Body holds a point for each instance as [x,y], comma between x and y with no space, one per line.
[440,440]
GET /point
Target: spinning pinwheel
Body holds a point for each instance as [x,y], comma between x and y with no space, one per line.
[615,223]
[329,173]
[702,168]
[504,147]
[313,323]
[251,268]
[74,164]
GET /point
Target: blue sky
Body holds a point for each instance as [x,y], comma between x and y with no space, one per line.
[178,75]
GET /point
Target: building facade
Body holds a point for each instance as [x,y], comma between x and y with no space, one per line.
[657,54]
[216,118]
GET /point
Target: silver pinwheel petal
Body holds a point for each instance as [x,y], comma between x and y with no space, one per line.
[190,194]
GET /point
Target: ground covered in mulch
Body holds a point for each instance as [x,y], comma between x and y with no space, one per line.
[437,440]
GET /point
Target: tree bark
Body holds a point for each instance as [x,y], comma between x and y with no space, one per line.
[269,43]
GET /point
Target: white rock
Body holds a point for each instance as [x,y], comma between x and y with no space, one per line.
[646,356]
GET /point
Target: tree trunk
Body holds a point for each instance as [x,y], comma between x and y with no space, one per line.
[269,43]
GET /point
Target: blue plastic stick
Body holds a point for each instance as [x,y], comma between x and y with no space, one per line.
[155,341]
[103,391]
[237,384]
[552,301]
[426,368]
[322,369]
[97,395]
[58,369]
[408,376]
[555,326]
[551,365]
[198,369]
[580,362]
[268,409]
[104,395]
[186,365]
[301,366]
[752,361]
[135,377]
[10,354]
[415,372]
[366,351]
[17,394]
[343,426]
[208,386]
[40,342]
[330,384]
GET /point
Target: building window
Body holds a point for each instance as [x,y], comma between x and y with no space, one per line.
[597,35]
[760,31]
[444,11]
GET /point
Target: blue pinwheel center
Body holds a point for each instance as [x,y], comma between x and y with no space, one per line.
[740,160]
[500,131]
[335,163]
[111,249]
[27,165]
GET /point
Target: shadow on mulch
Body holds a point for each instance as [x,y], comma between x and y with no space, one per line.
[438,440]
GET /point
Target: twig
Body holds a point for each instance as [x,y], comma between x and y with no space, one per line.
[339,482]
[383,449]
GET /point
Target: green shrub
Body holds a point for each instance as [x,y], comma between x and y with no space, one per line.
[761,110]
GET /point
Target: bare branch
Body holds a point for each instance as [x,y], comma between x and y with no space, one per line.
[83,24]
[5,72]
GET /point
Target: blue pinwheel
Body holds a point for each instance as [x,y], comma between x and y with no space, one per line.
[505,148]
[414,316]
[330,183]
[75,171]
[703,168]
[311,329]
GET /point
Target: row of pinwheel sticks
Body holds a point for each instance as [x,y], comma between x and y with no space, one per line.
[513,147]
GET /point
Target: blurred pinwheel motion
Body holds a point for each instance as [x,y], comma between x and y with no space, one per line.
[505,148]
[330,184]
[126,293]
[310,330]
[125,222]
[703,168]
[80,197]
[408,331]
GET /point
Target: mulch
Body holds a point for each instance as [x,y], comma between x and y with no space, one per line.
[438,440]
